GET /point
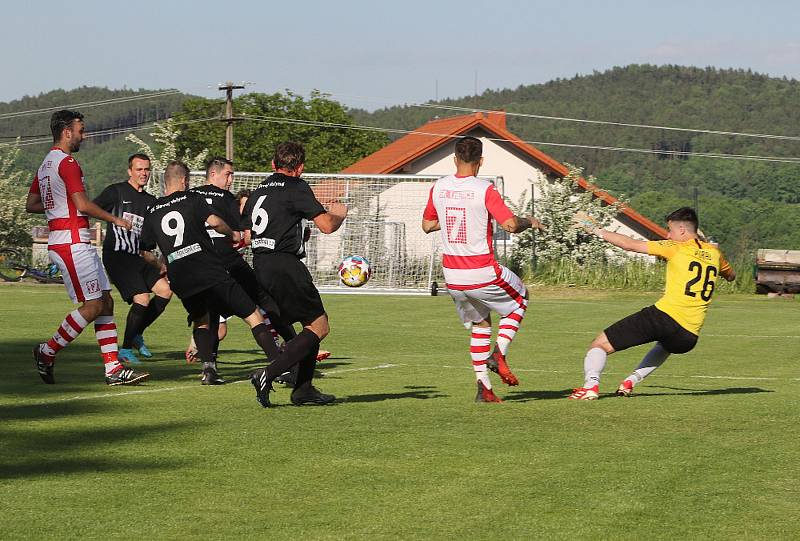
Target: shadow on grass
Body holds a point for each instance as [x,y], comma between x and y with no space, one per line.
[527,396]
[44,446]
[682,391]
[415,392]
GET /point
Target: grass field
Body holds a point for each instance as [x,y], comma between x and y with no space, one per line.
[707,448]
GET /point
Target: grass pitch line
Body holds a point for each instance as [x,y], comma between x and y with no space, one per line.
[545,331]
[184,387]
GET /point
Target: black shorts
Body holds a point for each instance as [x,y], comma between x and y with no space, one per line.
[130,273]
[223,299]
[287,280]
[245,276]
[650,325]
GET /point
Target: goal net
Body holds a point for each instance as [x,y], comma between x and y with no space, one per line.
[383,224]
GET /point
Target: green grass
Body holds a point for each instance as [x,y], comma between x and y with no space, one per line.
[706,448]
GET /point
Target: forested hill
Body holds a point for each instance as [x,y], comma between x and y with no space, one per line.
[102,158]
[744,204]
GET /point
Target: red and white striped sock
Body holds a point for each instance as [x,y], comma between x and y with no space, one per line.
[68,331]
[275,336]
[509,326]
[479,346]
[106,332]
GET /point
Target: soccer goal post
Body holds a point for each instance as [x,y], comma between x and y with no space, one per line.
[383,224]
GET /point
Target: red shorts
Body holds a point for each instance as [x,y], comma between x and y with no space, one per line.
[83,272]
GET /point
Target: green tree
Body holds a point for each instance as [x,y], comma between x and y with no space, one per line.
[16,223]
[560,241]
[269,119]
[165,135]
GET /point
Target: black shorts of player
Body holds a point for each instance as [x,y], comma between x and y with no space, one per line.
[245,276]
[287,280]
[226,298]
[130,273]
[650,325]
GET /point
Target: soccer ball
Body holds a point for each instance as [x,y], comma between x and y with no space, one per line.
[354,271]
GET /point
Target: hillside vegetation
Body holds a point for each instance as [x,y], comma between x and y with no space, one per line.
[743,204]
[103,159]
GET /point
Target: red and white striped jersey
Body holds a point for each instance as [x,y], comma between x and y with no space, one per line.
[57,179]
[463,206]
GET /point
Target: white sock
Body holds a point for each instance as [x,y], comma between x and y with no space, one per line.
[593,365]
[654,358]
[482,374]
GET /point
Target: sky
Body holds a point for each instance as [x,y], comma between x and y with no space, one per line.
[371,54]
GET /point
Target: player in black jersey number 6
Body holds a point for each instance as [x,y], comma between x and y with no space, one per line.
[273,219]
[177,224]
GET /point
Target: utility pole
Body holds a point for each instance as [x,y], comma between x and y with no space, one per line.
[229,119]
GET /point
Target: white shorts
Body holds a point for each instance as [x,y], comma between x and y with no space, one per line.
[83,272]
[503,296]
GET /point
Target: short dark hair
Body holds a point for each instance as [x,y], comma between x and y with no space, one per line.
[469,149]
[61,120]
[137,156]
[289,156]
[175,170]
[684,214]
[244,192]
[217,163]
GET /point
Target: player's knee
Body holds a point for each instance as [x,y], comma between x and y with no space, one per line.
[601,341]
[107,304]
[320,326]
[162,289]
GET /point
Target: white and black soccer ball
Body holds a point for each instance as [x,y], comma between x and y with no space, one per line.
[354,271]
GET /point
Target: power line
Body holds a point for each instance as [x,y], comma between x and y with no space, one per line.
[112,131]
[567,119]
[95,132]
[333,125]
[279,120]
[88,104]
[609,123]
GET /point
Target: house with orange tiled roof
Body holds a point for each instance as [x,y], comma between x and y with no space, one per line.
[523,167]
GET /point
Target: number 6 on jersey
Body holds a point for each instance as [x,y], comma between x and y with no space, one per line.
[260,216]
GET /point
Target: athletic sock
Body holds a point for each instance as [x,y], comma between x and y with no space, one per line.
[105,330]
[509,326]
[305,368]
[265,341]
[204,339]
[479,346]
[295,350]
[654,358]
[593,365]
[72,325]
[270,327]
[284,330]
[154,309]
[133,324]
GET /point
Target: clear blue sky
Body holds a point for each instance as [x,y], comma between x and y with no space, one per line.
[388,52]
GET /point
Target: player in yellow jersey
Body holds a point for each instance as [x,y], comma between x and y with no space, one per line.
[674,322]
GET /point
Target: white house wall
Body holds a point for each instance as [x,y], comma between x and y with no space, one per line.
[516,169]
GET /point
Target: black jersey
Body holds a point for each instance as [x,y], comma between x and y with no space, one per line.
[177,224]
[123,200]
[224,205]
[275,211]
